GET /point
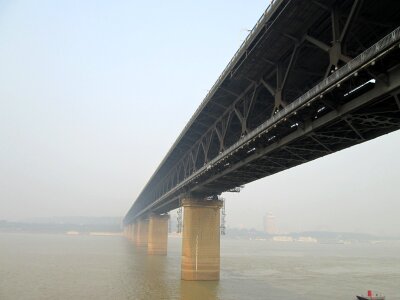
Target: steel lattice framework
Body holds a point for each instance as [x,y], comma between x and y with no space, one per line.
[312,78]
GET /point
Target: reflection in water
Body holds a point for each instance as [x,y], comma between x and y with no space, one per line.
[49,266]
[150,273]
[199,290]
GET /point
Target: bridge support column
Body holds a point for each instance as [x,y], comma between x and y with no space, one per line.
[128,231]
[132,232]
[201,239]
[135,233]
[141,235]
[125,231]
[158,235]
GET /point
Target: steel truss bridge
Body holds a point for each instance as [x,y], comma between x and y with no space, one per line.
[311,78]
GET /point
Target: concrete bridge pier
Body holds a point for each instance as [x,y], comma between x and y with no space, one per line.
[128,231]
[132,232]
[158,234]
[141,233]
[125,231]
[201,239]
[135,227]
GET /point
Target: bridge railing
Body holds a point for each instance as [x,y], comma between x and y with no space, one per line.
[251,35]
[230,64]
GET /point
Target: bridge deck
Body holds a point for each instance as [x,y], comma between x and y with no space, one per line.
[273,107]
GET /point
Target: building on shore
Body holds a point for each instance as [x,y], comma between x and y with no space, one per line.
[269,224]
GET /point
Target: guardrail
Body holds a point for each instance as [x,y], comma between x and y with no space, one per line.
[230,64]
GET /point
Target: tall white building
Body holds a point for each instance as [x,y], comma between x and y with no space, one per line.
[269,224]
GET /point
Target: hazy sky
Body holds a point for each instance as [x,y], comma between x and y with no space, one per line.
[94,93]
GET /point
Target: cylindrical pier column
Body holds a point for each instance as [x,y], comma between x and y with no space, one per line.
[132,232]
[128,231]
[142,233]
[135,233]
[158,235]
[125,231]
[201,239]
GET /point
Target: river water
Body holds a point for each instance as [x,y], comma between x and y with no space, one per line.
[50,266]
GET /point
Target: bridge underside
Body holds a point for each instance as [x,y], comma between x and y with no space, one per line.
[368,116]
[306,83]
